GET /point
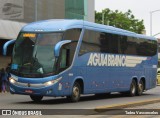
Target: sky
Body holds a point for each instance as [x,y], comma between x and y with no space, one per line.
[140,8]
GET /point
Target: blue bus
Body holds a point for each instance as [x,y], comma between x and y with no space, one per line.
[74,57]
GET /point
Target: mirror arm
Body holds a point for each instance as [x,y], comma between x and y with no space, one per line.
[58,47]
[5,46]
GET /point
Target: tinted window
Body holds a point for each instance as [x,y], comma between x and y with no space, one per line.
[68,50]
[99,42]
[147,48]
[137,46]
[118,44]
[90,42]
[72,34]
[128,45]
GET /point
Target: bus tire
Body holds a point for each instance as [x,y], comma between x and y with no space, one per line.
[36,98]
[133,88]
[140,88]
[76,92]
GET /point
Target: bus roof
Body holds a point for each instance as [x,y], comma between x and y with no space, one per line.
[58,25]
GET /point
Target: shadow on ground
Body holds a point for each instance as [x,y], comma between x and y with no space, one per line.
[63,100]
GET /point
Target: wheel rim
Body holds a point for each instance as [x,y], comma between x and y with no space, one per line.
[140,87]
[133,89]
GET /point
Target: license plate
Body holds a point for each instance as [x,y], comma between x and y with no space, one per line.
[28,91]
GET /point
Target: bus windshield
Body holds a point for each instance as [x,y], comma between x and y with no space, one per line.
[33,54]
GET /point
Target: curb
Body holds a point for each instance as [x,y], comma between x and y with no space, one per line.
[126,105]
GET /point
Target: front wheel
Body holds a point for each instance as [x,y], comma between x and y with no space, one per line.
[36,98]
[76,92]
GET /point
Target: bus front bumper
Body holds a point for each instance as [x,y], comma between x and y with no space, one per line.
[49,88]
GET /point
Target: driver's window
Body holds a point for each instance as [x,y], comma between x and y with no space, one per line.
[67,55]
[64,59]
[63,63]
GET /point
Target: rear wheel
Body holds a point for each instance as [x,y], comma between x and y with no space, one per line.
[76,92]
[36,98]
[133,88]
[140,88]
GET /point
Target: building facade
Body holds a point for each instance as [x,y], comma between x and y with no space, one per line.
[14,14]
[33,10]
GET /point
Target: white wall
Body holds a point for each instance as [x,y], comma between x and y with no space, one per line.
[91,9]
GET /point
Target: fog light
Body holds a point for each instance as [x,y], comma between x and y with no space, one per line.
[49,91]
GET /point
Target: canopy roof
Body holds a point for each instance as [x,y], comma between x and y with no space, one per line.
[10,29]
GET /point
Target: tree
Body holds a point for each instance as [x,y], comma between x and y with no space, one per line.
[121,20]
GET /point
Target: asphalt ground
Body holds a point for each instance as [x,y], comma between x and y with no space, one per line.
[113,106]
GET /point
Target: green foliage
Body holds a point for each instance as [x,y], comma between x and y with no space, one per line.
[121,20]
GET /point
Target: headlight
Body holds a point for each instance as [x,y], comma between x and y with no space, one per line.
[12,80]
[49,83]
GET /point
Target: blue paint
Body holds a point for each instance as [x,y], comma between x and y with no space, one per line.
[58,47]
[96,79]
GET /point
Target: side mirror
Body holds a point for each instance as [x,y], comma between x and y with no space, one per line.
[5,46]
[58,46]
